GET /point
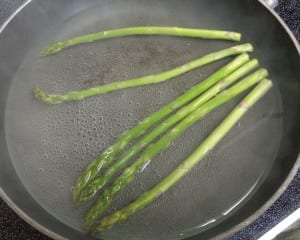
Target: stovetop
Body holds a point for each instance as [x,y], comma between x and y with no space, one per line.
[13,227]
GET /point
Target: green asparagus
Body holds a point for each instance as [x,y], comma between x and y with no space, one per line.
[94,186]
[109,153]
[206,146]
[151,151]
[151,79]
[143,30]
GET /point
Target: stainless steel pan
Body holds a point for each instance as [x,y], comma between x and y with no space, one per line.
[44,148]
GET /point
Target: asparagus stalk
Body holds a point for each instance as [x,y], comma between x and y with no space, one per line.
[109,153]
[144,30]
[151,151]
[151,79]
[98,183]
[206,146]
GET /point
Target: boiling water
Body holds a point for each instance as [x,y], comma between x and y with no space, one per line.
[51,144]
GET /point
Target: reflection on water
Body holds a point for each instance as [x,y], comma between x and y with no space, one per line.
[235,206]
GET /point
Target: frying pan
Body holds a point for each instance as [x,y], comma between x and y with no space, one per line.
[44,148]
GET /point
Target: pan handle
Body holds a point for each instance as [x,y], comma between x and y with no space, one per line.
[271,3]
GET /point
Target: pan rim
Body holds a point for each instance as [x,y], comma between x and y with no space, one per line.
[283,24]
[50,233]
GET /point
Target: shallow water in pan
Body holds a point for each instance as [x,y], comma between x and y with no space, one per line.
[50,145]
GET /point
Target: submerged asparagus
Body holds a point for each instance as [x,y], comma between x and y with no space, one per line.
[94,186]
[151,79]
[109,153]
[143,30]
[151,151]
[206,146]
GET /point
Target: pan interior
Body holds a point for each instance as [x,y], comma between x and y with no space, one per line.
[51,145]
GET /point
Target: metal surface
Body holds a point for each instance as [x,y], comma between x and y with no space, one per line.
[284,227]
[23,108]
[272,3]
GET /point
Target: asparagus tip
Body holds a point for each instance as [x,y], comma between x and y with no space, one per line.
[44,97]
[38,93]
[78,199]
[44,52]
[51,49]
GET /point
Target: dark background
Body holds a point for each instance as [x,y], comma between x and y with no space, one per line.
[14,228]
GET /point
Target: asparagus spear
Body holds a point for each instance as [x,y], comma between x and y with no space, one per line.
[206,146]
[144,30]
[151,151]
[94,186]
[151,79]
[109,153]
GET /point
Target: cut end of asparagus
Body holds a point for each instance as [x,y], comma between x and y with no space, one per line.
[255,61]
[268,85]
[264,72]
[260,90]
[264,86]
[235,36]
[247,47]
[244,56]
